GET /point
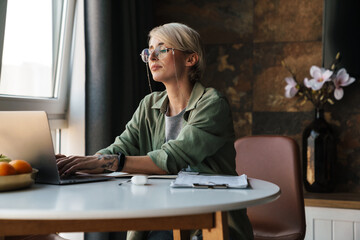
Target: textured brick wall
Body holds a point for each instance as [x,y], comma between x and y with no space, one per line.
[245,42]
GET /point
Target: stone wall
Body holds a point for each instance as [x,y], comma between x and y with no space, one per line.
[245,42]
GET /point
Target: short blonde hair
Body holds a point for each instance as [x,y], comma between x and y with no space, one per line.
[184,38]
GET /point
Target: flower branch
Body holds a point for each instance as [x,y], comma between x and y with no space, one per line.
[319,88]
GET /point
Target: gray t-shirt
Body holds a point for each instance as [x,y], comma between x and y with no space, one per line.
[173,125]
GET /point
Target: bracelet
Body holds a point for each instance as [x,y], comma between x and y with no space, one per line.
[121,162]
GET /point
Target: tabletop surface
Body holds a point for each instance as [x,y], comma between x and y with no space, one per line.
[109,200]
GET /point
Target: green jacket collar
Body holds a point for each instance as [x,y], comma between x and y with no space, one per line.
[196,93]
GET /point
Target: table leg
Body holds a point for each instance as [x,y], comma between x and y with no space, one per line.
[220,231]
[181,234]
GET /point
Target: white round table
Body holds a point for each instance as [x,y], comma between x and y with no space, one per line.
[107,200]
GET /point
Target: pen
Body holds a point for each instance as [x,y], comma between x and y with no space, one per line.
[129,180]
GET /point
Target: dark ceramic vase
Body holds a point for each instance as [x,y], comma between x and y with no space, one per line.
[319,155]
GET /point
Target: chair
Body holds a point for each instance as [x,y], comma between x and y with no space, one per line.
[274,159]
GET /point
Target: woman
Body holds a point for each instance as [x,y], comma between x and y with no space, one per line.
[160,137]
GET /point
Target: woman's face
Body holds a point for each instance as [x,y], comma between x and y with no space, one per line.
[163,67]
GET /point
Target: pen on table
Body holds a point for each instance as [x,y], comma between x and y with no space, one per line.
[129,180]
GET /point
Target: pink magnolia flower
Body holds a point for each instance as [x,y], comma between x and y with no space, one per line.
[290,88]
[320,76]
[342,79]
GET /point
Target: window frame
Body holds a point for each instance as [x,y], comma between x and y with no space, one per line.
[55,107]
[3,6]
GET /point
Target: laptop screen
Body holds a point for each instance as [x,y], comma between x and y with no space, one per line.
[26,135]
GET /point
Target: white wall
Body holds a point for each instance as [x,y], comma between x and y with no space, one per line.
[73,137]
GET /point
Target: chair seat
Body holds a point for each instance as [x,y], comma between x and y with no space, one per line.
[266,231]
[275,237]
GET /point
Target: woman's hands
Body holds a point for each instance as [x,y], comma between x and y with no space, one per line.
[99,163]
[87,164]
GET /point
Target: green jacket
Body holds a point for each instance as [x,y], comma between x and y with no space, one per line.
[208,126]
[205,143]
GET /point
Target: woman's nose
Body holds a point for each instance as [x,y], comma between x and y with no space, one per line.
[153,56]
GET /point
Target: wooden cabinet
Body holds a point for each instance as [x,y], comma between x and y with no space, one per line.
[332,216]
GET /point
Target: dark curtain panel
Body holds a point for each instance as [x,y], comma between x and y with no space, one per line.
[115,33]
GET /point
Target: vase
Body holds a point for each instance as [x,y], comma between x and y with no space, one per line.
[319,155]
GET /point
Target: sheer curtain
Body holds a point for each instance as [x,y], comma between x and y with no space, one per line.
[115,33]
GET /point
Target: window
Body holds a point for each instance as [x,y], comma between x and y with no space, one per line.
[35,55]
[27,66]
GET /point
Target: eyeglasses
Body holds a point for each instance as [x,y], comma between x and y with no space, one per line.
[159,52]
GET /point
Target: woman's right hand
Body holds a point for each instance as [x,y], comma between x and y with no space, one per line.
[86,164]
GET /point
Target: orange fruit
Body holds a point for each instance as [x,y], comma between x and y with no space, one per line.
[21,166]
[6,169]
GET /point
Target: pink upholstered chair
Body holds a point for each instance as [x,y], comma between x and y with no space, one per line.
[274,159]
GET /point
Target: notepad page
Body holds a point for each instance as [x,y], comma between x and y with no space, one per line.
[211,180]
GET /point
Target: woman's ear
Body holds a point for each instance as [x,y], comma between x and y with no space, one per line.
[192,59]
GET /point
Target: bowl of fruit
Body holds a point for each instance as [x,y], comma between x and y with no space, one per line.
[15,174]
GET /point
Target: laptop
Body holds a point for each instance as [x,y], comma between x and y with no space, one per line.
[26,135]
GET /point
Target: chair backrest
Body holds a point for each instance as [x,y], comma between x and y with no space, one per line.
[274,159]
